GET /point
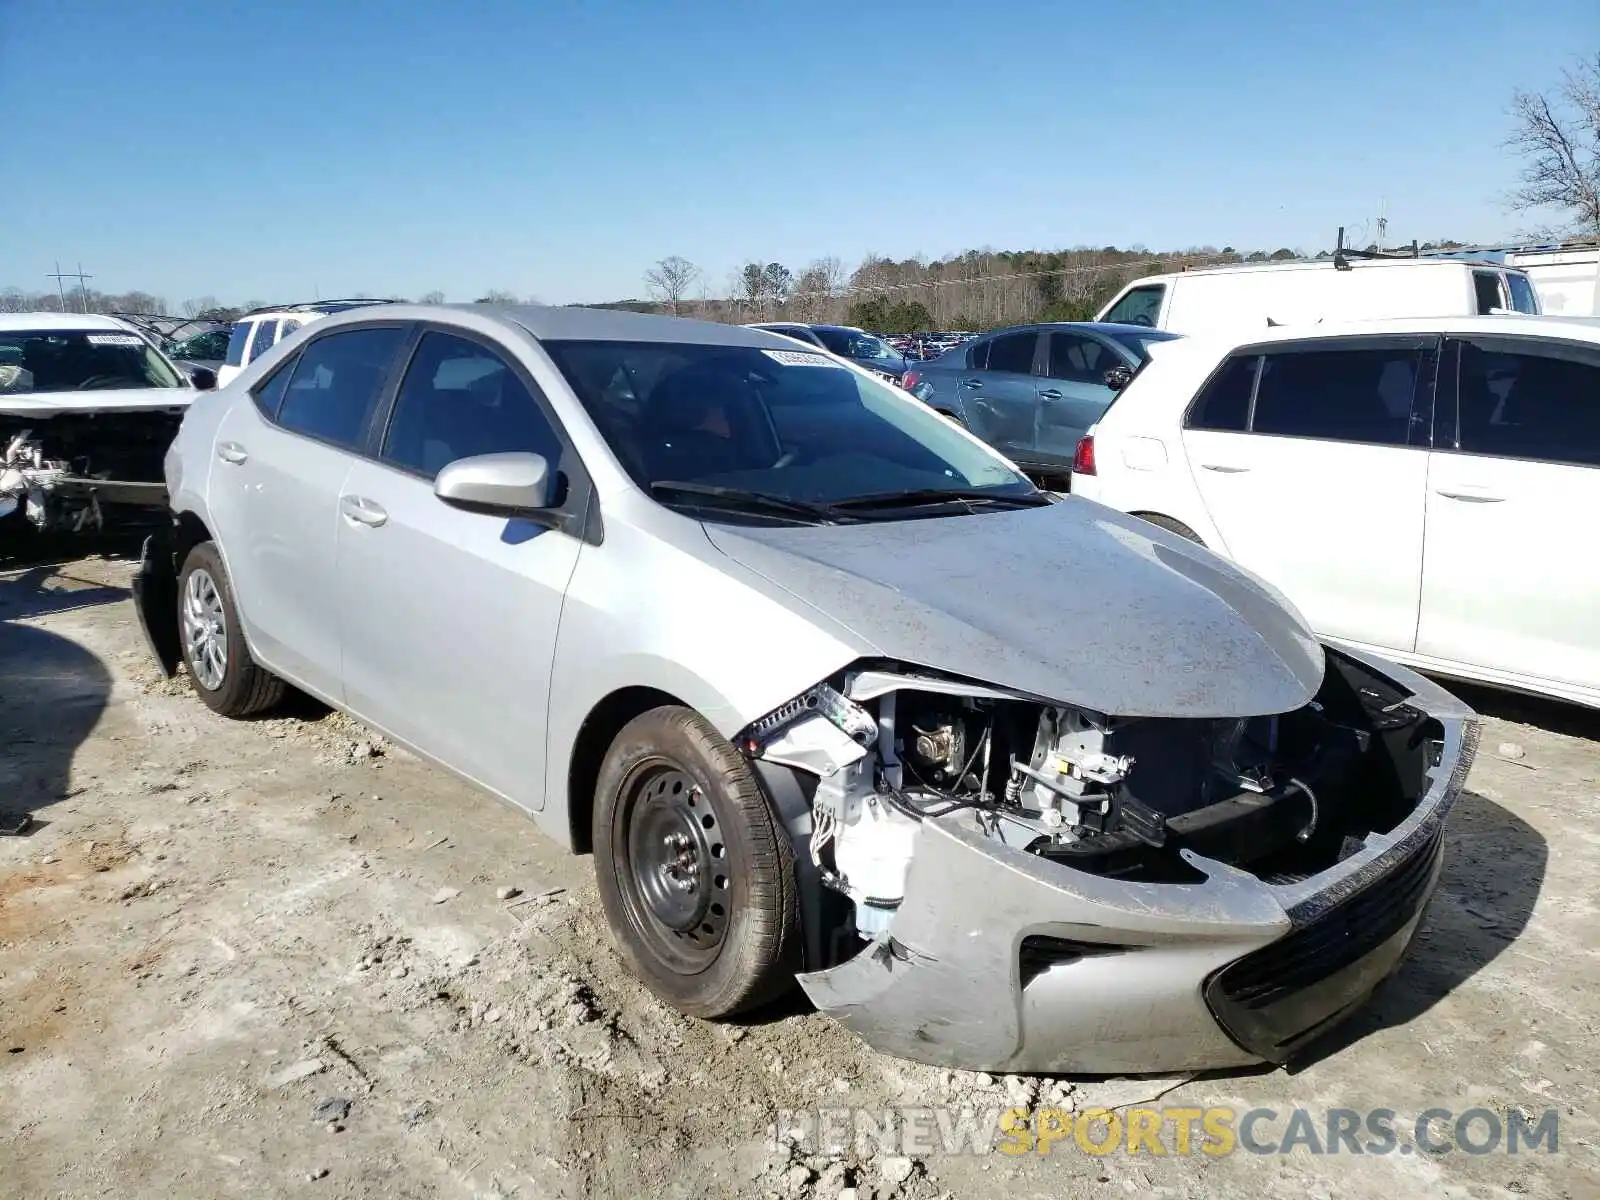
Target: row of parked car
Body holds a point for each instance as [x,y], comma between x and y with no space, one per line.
[1255,474]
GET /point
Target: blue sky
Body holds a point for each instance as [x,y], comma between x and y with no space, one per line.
[270,149]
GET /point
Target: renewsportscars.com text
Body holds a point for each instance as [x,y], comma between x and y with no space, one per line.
[1172,1130]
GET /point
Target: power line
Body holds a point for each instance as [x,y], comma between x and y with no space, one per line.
[60,276]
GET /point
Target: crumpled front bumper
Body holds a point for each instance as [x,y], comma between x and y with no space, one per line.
[998,960]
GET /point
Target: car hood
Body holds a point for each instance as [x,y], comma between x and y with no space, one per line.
[1074,602]
[49,404]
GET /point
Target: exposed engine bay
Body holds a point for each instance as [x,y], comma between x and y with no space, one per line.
[81,472]
[1281,796]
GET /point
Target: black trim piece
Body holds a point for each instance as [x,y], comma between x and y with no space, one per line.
[1276,999]
[1447,398]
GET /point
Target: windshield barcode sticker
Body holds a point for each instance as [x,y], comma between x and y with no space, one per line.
[798,358]
[115,339]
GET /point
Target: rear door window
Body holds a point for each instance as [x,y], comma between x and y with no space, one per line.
[1141,306]
[1532,401]
[1013,352]
[336,384]
[1345,395]
[1076,358]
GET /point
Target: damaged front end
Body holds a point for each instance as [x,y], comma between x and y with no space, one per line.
[1011,883]
[85,472]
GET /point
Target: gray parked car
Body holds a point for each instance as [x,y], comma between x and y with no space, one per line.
[1032,391]
[827,687]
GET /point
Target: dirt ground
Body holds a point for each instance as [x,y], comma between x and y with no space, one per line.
[278,958]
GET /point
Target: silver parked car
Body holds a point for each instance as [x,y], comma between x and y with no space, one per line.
[825,684]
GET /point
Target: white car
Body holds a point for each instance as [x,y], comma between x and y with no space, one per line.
[1417,487]
[1256,296]
[88,407]
[259,331]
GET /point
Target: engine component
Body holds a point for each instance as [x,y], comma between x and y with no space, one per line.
[1121,797]
[64,470]
[872,854]
[942,749]
[845,714]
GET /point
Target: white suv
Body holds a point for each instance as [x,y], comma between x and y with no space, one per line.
[1420,487]
[259,330]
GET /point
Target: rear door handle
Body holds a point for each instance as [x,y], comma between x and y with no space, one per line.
[1471,496]
[1225,469]
[1050,394]
[232,452]
[972,383]
[362,511]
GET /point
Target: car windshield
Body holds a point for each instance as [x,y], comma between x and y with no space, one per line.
[1139,342]
[76,360]
[790,425]
[212,344]
[1522,295]
[849,344]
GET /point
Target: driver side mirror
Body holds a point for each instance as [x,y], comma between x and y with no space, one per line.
[203,379]
[1117,378]
[509,485]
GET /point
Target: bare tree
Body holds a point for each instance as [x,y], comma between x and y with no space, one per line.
[497,296]
[670,280]
[433,297]
[1558,134]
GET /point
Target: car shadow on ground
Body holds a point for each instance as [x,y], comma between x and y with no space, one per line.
[52,690]
[1556,716]
[1494,866]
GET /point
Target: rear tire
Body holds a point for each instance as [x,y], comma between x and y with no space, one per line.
[696,873]
[1171,526]
[215,656]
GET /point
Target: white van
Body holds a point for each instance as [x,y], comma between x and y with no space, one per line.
[1224,299]
[1566,279]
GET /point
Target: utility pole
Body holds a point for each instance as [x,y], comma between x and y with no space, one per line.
[61,276]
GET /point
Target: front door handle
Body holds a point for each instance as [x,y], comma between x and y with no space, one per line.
[972,383]
[1050,394]
[1471,496]
[362,511]
[1225,469]
[232,452]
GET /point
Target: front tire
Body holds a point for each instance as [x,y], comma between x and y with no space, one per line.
[696,873]
[219,665]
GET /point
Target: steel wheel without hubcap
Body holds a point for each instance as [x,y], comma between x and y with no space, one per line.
[205,630]
[676,884]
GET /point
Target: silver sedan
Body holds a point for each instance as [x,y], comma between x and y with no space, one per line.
[1009,781]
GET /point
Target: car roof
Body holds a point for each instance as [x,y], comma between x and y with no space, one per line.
[29,321]
[1324,264]
[1584,329]
[549,323]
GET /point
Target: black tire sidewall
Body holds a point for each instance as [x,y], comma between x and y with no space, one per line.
[762,910]
[238,682]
